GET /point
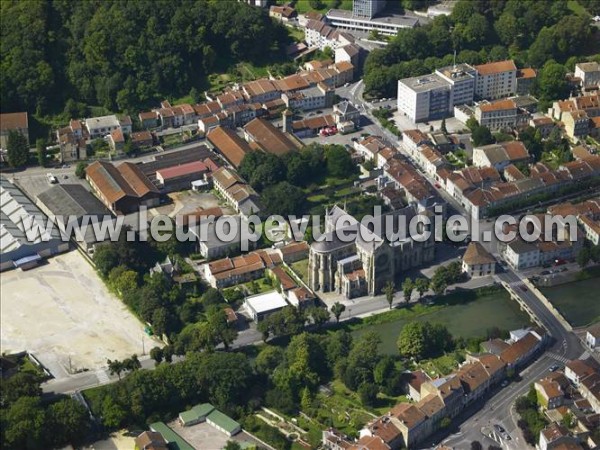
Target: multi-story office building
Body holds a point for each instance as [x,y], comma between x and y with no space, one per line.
[462,79]
[424,98]
[367,8]
[496,80]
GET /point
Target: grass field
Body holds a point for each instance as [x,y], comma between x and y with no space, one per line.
[300,268]
[303,6]
[471,318]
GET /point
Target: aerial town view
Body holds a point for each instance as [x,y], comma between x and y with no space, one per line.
[300,224]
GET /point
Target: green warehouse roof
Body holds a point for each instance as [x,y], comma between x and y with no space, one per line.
[223,421]
[196,413]
[174,441]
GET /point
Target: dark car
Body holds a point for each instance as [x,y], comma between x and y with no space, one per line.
[545,272]
[523,288]
[499,428]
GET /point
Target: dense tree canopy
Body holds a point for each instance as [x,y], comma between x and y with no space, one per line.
[124,54]
[529,31]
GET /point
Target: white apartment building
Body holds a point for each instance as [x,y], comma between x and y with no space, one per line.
[496,80]
[589,73]
[521,255]
[102,126]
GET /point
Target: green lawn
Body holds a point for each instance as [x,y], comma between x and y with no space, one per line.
[296,34]
[465,314]
[300,268]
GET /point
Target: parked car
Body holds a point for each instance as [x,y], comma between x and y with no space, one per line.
[554,368]
[545,272]
[523,288]
[559,262]
[504,383]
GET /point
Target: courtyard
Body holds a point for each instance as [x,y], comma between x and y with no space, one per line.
[63,314]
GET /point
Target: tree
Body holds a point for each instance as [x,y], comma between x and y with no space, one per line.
[482,135]
[389,290]
[338,309]
[421,286]
[284,199]
[68,420]
[80,169]
[339,162]
[319,315]
[156,353]
[116,367]
[40,148]
[305,399]
[551,82]
[476,445]
[368,394]
[24,423]
[232,445]
[407,289]
[17,150]
[268,359]
[195,95]
[583,257]
[422,340]
[443,127]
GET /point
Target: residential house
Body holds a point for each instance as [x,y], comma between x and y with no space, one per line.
[98,127]
[236,191]
[150,440]
[301,297]
[589,74]
[525,80]
[592,336]
[544,125]
[13,122]
[521,351]
[591,228]
[501,115]
[500,155]
[148,119]
[413,382]
[311,126]
[346,112]
[142,139]
[477,261]
[116,140]
[282,13]
[521,255]
[349,53]
[549,393]
[261,306]
[577,370]
[126,125]
[294,251]
[576,124]
[72,141]
[231,271]
[413,139]
[556,436]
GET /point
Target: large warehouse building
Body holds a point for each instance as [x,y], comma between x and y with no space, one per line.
[24,239]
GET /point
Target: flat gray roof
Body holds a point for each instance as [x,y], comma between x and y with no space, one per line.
[426,82]
[389,19]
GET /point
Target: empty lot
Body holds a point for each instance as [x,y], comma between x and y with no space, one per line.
[63,314]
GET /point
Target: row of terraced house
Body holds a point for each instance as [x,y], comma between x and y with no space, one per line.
[433,400]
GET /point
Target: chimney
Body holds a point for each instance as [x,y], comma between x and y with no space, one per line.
[287,121]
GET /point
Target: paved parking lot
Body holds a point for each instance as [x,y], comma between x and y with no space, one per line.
[34,181]
[206,437]
[63,314]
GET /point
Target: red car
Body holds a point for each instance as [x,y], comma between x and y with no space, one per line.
[559,262]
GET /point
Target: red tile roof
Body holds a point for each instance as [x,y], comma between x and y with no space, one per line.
[194,167]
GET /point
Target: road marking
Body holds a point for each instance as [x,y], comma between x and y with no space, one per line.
[102,376]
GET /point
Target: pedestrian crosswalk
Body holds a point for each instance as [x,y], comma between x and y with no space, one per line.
[559,358]
[102,376]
